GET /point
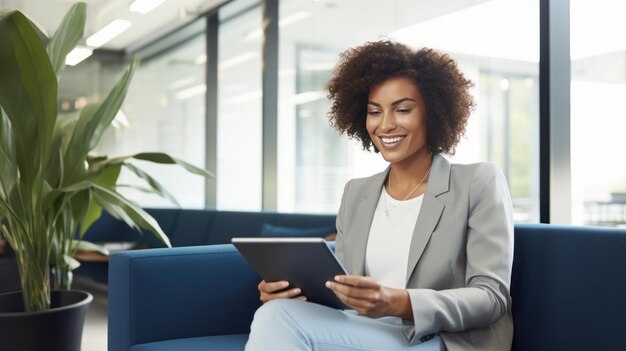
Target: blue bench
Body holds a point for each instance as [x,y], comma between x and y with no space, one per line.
[567,286]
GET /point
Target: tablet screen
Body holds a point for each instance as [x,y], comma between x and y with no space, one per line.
[306,263]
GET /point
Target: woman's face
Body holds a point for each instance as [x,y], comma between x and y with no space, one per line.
[396,121]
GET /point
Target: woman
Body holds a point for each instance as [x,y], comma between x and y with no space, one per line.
[428,244]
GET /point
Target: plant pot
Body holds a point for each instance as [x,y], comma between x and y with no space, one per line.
[58,329]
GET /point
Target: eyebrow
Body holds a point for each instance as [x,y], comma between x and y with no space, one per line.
[397,102]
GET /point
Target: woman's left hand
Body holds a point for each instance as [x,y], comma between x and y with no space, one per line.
[368,297]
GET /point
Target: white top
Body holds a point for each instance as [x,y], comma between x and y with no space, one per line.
[389,242]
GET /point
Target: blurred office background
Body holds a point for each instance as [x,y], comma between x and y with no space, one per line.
[218,87]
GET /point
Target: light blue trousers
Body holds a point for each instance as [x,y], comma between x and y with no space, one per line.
[292,325]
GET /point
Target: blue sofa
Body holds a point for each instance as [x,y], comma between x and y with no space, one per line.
[190,227]
[568,288]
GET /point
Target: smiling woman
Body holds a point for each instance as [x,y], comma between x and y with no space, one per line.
[428,244]
[437,81]
[396,121]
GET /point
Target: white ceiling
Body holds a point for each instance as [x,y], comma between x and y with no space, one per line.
[145,28]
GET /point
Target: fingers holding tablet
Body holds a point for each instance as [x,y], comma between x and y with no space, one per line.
[278,290]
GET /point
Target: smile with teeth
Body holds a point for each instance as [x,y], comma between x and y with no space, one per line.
[392,140]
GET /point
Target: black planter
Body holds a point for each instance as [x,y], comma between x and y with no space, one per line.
[58,329]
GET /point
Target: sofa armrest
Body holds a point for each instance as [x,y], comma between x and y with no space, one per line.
[173,293]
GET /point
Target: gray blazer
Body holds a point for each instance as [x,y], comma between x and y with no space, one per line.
[459,268]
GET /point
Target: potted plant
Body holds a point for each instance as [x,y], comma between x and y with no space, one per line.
[52,187]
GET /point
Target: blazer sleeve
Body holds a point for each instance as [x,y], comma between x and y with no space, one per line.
[339,243]
[485,297]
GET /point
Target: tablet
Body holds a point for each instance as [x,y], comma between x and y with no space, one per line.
[306,263]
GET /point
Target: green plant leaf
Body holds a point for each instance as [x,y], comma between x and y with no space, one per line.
[88,246]
[54,169]
[77,186]
[91,126]
[95,158]
[73,154]
[156,157]
[79,202]
[8,168]
[155,186]
[143,189]
[6,133]
[66,37]
[129,212]
[105,114]
[85,210]
[108,176]
[8,175]
[38,28]
[65,125]
[71,262]
[63,129]
[159,157]
[28,96]
[51,197]
[94,211]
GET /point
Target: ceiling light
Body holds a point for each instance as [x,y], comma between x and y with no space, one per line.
[504,84]
[306,97]
[107,33]
[77,55]
[293,18]
[245,97]
[191,92]
[144,6]
[182,82]
[255,34]
[239,59]
[200,59]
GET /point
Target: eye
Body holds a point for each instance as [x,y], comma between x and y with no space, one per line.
[404,110]
[373,113]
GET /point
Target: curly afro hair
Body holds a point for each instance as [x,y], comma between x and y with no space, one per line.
[442,85]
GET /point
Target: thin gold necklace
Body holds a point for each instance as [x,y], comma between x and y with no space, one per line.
[410,192]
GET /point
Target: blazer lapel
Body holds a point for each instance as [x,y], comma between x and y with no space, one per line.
[366,207]
[430,212]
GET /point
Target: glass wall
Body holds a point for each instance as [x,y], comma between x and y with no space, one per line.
[164,111]
[496,44]
[239,121]
[598,111]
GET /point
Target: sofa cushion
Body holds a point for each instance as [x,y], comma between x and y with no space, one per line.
[269,230]
[301,220]
[216,342]
[192,228]
[568,287]
[167,219]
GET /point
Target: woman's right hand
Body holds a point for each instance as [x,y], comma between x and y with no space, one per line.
[278,290]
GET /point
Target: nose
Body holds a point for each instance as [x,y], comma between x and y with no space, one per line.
[388,122]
